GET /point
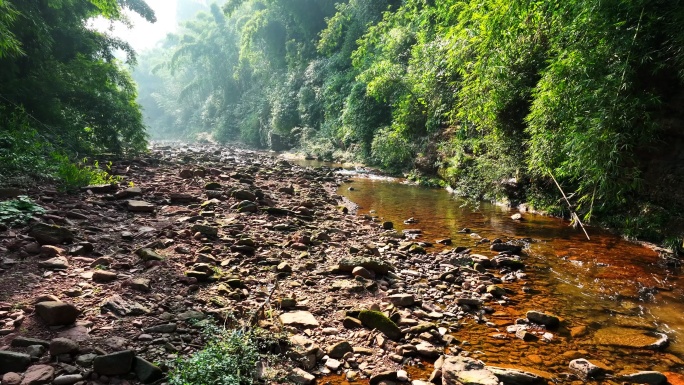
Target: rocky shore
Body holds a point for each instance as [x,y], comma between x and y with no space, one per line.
[108,285]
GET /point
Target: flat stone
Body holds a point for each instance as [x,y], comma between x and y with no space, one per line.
[191,314]
[209,231]
[38,374]
[55,313]
[519,377]
[149,255]
[58,263]
[100,188]
[67,379]
[114,364]
[140,206]
[389,375]
[47,234]
[146,371]
[339,349]
[301,377]
[466,370]
[122,307]
[63,346]
[300,318]
[542,318]
[23,342]
[402,299]
[164,328]
[104,276]
[140,284]
[585,369]
[13,361]
[86,360]
[646,377]
[376,265]
[630,338]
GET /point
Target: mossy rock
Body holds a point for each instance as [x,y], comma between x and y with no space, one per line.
[376,320]
[47,234]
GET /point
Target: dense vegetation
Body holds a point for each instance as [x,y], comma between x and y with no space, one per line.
[63,95]
[498,98]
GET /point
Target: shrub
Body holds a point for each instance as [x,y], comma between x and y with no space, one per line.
[231,357]
[72,175]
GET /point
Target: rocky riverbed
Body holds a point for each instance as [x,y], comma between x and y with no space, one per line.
[108,284]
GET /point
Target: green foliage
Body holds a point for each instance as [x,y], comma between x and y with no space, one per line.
[74,175]
[229,358]
[17,212]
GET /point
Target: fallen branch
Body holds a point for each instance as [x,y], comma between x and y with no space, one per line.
[573,215]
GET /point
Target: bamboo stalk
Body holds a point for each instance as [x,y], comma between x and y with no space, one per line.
[573,214]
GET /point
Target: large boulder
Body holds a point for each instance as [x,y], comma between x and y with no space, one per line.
[55,313]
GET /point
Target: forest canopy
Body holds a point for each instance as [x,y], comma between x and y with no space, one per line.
[498,98]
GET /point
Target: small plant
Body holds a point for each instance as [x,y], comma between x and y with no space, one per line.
[17,212]
[231,357]
[74,175]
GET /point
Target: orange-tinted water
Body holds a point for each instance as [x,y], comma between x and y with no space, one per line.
[596,284]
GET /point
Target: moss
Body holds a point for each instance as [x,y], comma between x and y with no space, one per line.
[376,320]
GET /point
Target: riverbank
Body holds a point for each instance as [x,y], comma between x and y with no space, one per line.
[228,234]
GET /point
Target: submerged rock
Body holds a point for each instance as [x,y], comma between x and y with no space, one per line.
[630,338]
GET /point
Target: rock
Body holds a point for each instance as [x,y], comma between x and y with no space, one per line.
[23,342]
[146,371]
[465,370]
[46,234]
[496,291]
[362,272]
[301,318]
[86,360]
[114,364]
[122,307]
[191,314]
[630,338]
[140,284]
[100,188]
[303,350]
[35,351]
[51,251]
[351,323]
[377,320]
[387,225]
[402,376]
[38,374]
[149,255]
[469,302]
[163,328]
[56,313]
[63,346]
[428,350]
[13,361]
[209,231]
[517,377]
[525,335]
[11,378]
[301,377]
[244,195]
[505,248]
[140,206]
[376,265]
[377,378]
[212,186]
[128,193]
[585,369]
[332,364]
[338,350]
[57,263]
[67,379]
[647,377]
[104,276]
[517,217]
[402,299]
[541,318]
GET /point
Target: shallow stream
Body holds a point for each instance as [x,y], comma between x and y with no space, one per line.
[608,292]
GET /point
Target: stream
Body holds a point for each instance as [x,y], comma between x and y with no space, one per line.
[608,292]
